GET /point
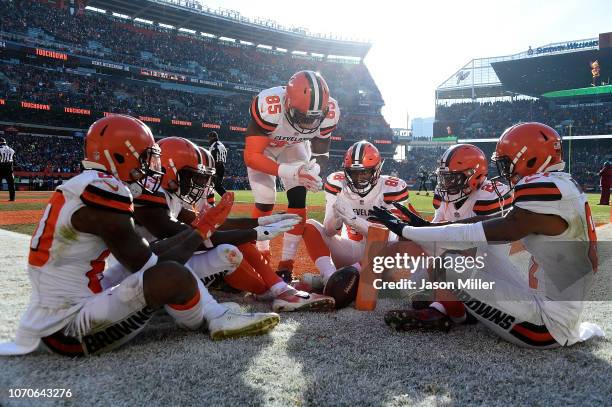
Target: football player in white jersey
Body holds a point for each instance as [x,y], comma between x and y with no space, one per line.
[463,191]
[90,217]
[187,180]
[350,195]
[552,219]
[288,137]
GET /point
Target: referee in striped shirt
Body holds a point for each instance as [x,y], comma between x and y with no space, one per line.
[219,153]
[6,167]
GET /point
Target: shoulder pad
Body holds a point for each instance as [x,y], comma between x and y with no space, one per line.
[267,108]
[488,202]
[106,192]
[394,189]
[334,183]
[331,120]
[538,187]
[150,200]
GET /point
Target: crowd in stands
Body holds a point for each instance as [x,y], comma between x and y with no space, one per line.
[67,88]
[155,47]
[488,120]
[46,154]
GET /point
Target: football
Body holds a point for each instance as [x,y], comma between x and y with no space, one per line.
[342,286]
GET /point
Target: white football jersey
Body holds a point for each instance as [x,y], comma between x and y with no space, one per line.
[388,190]
[563,266]
[483,201]
[64,265]
[268,112]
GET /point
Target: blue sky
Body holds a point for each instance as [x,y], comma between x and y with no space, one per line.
[419,44]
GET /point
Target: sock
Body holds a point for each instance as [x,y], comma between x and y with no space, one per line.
[256,260]
[257,213]
[291,239]
[201,307]
[290,246]
[246,279]
[326,267]
[263,245]
[453,308]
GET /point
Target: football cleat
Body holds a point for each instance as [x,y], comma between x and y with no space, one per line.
[285,270]
[421,299]
[232,324]
[292,300]
[232,306]
[426,318]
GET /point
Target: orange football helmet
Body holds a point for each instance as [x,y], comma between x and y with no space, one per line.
[185,174]
[461,170]
[306,101]
[526,149]
[124,147]
[362,166]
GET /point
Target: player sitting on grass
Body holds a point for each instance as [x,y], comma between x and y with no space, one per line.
[552,219]
[90,217]
[350,195]
[463,192]
[187,183]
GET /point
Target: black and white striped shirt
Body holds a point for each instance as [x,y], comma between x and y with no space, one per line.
[219,152]
[6,154]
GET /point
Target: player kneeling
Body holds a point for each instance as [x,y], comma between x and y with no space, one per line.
[350,195]
[91,216]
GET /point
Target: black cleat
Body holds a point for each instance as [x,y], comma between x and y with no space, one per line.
[426,318]
[421,299]
[286,275]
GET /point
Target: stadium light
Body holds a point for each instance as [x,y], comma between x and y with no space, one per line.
[187,30]
[142,20]
[314,54]
[264,46]
[299,52]
[281,49]
[122,16]
[246,42]
[97,10]
[228,39]
[166,26]
[208,35]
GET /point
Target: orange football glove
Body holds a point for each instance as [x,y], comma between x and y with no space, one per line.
[208,221]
